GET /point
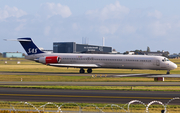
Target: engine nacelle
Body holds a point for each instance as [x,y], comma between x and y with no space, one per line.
[49,59]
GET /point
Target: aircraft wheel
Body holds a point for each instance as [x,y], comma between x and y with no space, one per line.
[81,70]
[89,70]
[168,72]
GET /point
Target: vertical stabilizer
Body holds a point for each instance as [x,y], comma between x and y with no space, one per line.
[29,46]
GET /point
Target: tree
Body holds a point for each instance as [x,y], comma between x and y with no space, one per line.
[136,51]
[114,49]
[148,49]
[127,52]
[23,54]
[166,53]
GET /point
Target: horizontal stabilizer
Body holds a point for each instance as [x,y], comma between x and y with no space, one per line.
[23,40]
[20,40]
[76,65]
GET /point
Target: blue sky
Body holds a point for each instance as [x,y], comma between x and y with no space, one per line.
[125,24]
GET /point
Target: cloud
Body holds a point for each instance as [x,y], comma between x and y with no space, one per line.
[47,30]
[129,29]
[103,30]
[157,14]
[108,29]
[115,21]
[178,24]
[160,29]
[11,12]
[75,26]
[51,9]
[111,11]
[20,27]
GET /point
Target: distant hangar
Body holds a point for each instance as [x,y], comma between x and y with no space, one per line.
[72,47]
[13,55]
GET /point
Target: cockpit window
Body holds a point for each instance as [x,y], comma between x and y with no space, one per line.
[165,59]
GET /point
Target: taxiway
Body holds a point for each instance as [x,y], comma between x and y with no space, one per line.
[84,96]
[94,83]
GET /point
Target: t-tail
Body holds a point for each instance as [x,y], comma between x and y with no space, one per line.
[29,46]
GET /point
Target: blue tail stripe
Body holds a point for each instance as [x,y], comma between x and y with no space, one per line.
[29,46]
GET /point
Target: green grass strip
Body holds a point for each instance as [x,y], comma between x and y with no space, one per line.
[88,107]
[123,88]
[57,78]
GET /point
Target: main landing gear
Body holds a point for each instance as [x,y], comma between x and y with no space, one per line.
[81,70]
[89,70]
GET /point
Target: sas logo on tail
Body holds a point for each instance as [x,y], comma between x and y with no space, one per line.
[32,50]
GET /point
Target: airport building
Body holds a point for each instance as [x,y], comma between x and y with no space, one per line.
[72,47]
[13,55]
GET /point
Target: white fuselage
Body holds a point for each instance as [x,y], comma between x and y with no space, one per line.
[112,61]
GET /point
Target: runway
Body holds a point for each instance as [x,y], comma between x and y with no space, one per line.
[98,74]
[85,96]
[94,83]
[46,73]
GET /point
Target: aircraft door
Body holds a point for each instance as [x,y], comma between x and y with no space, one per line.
[90,59]
[157,63]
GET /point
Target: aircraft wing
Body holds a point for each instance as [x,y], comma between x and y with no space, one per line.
[76,65]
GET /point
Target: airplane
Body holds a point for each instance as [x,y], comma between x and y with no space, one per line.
[91,61]
[173,56]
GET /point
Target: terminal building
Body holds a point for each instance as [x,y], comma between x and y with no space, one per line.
[13,55]
[72,47]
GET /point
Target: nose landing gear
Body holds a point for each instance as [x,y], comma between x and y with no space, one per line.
[168,72]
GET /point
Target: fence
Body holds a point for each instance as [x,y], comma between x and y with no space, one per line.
[16,107]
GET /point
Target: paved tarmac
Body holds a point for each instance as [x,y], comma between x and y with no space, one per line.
[87,74]
[103,96]
[94,83]
[45,73]
[85,96]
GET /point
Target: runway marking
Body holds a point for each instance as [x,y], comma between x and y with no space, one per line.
[77,96]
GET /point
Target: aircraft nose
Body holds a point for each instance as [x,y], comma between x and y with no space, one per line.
[173,66]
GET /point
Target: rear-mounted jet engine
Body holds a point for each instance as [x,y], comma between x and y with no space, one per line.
[49,59]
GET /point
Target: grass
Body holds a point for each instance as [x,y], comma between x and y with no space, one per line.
[88,107]
[177,61]
[124,88]
[56,78]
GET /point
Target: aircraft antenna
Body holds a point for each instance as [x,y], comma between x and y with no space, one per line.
[103,41]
